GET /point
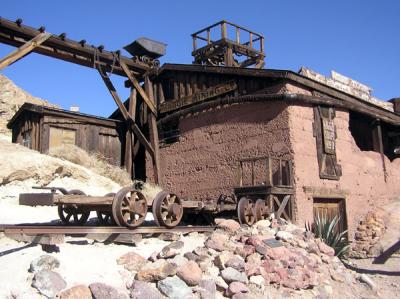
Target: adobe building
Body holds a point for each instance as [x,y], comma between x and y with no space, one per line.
[303,142]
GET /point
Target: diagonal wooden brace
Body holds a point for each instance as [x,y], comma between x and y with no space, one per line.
[24,50]
[131,124]
[282,207]
[136,84]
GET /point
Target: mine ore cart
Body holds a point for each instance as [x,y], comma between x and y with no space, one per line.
[265,187]
[128,207]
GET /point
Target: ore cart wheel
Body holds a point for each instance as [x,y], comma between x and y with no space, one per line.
[167,209]
[129,207]
[106,218]
[261,210]
[71,214]
[245,211]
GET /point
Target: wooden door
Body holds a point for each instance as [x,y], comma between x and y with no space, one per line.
[331,207]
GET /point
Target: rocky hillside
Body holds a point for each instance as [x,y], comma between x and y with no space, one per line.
[11,98]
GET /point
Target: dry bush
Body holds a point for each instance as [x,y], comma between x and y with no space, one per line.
[94,162]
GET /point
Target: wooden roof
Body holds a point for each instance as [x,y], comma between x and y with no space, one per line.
[44,110]
[331,95]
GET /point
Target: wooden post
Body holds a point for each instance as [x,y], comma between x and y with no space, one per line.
[262,44]
[251,40]
[153,134]
[194,43]
[24,49]
[381,149]
[229,56]
[130,138]
[208,37]
[252,173]
[223,30]
[280,173]
[240,174]
[269,180]
[237,35]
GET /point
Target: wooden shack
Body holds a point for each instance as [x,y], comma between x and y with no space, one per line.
[43,128]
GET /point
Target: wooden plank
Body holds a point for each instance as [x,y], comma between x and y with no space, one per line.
[381,149]
[136,84]
[282,206]
[269,179]
[83,200]
[125,114]
[154,136]
[24,50]
[211,92]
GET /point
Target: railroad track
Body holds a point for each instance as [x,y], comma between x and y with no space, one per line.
[82,230]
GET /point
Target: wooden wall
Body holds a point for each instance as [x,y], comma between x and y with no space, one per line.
[106,138]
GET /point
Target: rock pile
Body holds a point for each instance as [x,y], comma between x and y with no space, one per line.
[366,239]
[272,259]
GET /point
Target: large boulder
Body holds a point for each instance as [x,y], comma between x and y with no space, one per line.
[171,250]
[48,283]
[229,225]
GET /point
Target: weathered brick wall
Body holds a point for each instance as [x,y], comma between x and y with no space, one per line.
[203,164]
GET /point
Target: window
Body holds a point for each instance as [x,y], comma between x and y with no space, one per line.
[169,133]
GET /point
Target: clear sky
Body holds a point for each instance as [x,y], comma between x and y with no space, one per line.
[360,39]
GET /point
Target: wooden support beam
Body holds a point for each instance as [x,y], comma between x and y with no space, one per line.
[282,206]
[154,134]
[131,124]
[139,88]
[381,149]
[130,138]
[24,49]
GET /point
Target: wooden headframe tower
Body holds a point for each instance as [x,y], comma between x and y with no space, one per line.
[136,69]
[228,44]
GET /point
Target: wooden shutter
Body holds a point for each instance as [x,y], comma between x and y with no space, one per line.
[325,136]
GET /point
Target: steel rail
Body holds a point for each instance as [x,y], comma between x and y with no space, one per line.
[81,230]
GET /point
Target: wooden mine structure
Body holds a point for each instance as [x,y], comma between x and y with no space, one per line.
[238,146]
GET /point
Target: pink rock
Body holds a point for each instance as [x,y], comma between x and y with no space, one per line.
[252,269]
[278,253]
[190,273]
[325,249]
[131,261]
[254,240]
[228,224]
[76,292]
[245,251]
[236,287]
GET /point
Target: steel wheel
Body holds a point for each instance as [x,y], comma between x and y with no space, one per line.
[71,214]
[167,209]
[105,218]
[261,210]
[129,207]
[245,211]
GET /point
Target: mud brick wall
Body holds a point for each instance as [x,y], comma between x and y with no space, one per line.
[204,163]
[362,183]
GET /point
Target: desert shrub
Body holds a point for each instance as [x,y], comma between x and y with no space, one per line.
[327,230]
[93,161]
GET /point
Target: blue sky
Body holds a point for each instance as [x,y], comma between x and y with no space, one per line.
[360,39]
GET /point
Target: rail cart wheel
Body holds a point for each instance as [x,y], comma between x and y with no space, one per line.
[129,207]
[261,210]
[245,211]
[167,209]
[71,214]
[106,218]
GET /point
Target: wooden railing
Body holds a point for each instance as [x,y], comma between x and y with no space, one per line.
[276,172]
[205,35]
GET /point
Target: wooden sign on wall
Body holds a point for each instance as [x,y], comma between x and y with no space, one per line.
[198,96]
[328,128]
